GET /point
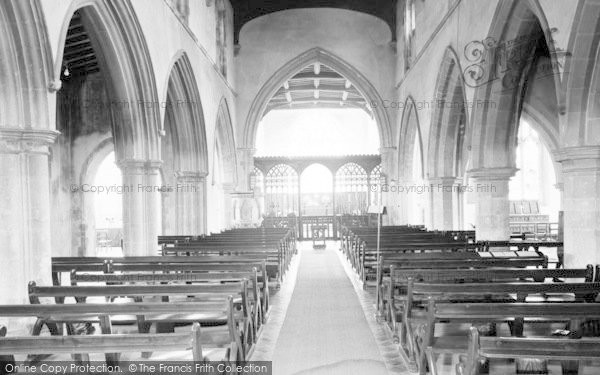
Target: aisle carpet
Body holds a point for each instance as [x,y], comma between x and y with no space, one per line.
[325,330]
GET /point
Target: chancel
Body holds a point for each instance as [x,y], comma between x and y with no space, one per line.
[300,186]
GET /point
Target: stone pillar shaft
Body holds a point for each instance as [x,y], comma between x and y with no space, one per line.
[444,203]
[190,192]
[581,179]
[493,205]
[141,206]
[24,211]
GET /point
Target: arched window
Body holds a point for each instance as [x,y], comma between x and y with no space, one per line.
[221,34]
[352,190]
[281,195]
[409,33]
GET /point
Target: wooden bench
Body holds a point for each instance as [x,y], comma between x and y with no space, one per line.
[444,260]
[119,343]
[420,325]
[257,293]
[241,327]
[190,312]
[395,288]
[551,348]
[61,266]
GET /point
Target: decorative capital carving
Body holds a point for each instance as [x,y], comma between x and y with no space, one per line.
[584,159]
[139,167]
[190,177]
[31,141]
[492,174]
[445,181]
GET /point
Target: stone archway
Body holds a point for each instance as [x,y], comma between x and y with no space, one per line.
[495,125]
[26,132]
[316,55]
[507,64]
[127,77]
[184,153]
[580,140]
[410,146]
[225,175]
[445,150]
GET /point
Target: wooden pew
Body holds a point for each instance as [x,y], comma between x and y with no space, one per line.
[54,315]
[551,348]
[441,260]
[420,326]
[157,265]
[395,288]
[160,264]
[572,313]
[10,346]
[257,293]
[239,328]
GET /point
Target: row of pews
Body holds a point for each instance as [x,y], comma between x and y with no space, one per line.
[444,295]
[208,296]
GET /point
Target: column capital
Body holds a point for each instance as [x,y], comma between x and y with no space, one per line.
[138,166]
[578,159]
[446,181]
[492,174]
[387,149]
[249,150]
[31,141]
[191,176]
[228,187]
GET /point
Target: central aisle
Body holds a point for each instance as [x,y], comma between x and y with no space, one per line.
[325,330]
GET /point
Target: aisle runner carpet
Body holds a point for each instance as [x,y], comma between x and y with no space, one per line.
[325,330]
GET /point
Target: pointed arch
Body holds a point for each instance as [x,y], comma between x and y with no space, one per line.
[116,35]
[495,127]
[410,133]
[289,69]
[581,82]
[25,66]
[184,118]
[448,123]
[225,142]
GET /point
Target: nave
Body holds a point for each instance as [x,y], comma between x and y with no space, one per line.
[421,302]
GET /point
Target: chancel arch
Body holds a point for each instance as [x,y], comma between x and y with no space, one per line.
[312,57]
[184,153]
[110,93]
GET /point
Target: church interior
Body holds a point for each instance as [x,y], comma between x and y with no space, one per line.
[300,186]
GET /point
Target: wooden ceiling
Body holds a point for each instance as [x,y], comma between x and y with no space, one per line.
[317,86]
[79,58]
[247,10]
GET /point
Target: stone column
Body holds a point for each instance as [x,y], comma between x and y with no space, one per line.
[191,204]
[444,203]
[228,190]
[245,167]
[24,211]
[141,206]
[581,179]
[490,186]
